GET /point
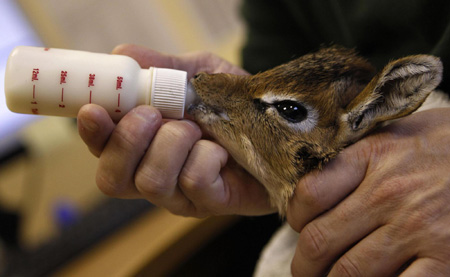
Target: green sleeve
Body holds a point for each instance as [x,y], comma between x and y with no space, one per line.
[380,30]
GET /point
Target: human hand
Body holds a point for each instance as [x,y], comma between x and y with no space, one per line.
[168,162]
[381,207]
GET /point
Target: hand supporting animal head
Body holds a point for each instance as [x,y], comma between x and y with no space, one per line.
[282,123]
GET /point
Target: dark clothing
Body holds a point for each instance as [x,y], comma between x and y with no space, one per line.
[380,30]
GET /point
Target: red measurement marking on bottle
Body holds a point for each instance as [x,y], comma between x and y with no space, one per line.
[62,99]
[34,111]
[91,80]
[119,82]
[34,77]
[118,104]
[34,95]
[62,79]
[91,84]
[34,74]
[118,86]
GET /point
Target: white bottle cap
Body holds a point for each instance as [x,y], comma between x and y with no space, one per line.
[168,91]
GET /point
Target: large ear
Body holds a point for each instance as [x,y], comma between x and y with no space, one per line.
[398,90]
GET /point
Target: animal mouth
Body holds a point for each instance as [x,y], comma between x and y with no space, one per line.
[204,112]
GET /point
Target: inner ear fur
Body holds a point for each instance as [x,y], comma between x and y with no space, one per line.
[398,90]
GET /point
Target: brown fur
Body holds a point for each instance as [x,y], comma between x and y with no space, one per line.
[340,93]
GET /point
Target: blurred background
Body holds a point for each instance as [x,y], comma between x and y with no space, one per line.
[49,202]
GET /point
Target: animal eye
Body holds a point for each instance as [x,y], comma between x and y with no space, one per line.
[291,111]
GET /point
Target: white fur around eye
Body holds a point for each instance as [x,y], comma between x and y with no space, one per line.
[309,123]
[271,98]
[306,125]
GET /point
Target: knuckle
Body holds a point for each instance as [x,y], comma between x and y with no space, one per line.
[196,187]
[152,183]
[409,225]
[124,139]
[314,243]
[346,266]
[198,173]
[109,186]
[392,190]
[191,182]
[136,129]
[179,131]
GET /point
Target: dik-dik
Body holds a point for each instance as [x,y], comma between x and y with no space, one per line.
[282,123]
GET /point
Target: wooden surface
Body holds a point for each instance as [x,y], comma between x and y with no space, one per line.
[152,246]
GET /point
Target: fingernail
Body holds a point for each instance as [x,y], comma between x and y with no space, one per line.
[147,112]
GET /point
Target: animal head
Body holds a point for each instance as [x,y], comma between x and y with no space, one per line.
[282,123]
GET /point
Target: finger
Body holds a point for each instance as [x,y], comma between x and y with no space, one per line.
[321,190]
[217,185]
[322,240]
[94,126]
[200,179]
[144,56]
[124,150]
[382,253]
[190,62]
[247,195]
[427,267]
[157,175]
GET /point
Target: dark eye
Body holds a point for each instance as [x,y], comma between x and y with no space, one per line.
[291,111]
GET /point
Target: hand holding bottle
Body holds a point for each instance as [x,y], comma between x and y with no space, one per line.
[168,162]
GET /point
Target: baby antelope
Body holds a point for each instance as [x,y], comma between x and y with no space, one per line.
[282,123]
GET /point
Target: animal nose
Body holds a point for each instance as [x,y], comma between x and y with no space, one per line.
[200,76]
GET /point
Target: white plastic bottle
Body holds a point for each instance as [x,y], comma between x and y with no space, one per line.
[52,81]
